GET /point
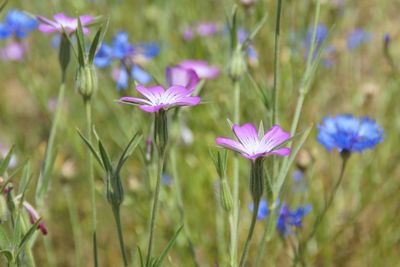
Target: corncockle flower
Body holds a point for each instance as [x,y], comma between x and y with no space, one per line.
[263,209]
[357,38]
[63,23]
[34,216]
[13,51]
[17,24]
[129,57]
[250,145]
[347,133]
[157,98]
[288,219]
[178,75]
[201,68]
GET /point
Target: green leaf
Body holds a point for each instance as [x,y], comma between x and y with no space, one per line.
[4,239]
[92,149]
[3,5]
[261,131]
[168,247]
[27,236]
[98,39]
[233,29]
[8,254]
[128,151]
[81,44]
[6,162]
[253,34]
[25,179]
[17,229]
[105,158]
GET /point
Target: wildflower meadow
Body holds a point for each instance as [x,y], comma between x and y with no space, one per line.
[199,133]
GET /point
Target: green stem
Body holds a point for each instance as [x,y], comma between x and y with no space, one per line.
[88,111]
[269,224]
[322,214]
[76,229]
[155,206]
[275,87]
[234,221]
[117,217]
[178,192]
[250,234]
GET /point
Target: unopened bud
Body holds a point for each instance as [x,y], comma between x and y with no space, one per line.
[64,55]
[86,81]
[115,191]
[238,65]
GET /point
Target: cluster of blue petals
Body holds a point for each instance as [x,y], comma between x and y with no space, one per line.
[17,24]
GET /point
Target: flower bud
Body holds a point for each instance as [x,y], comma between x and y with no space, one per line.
[86,81]
[226,196]
[161,130]
[238,65]
[257,179]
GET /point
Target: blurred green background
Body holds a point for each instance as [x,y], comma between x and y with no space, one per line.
[361,229]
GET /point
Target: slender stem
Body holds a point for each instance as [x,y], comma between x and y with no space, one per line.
[155,206]
[88,111]
[322,214]
[275,87]
[48,160]
[117,217]
[250,234]
[178,192]
[234,221]
[269,224]
[76,229]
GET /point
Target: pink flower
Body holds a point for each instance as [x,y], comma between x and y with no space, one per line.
[206,29]
[13,51]
[34,216]
[252,146]
[62,22]
[181,76]
[158,98]
[202,69]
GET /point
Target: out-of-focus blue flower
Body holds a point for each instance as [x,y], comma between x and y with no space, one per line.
[166,179]
[17,24]
[288,219]
[357,38]
[251,52]
[128,56]
[321,33]
[348,133]
[263,209]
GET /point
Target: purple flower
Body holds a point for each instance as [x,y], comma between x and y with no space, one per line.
[288,219]
[252,146]
[13,51]
[188,34]
[63,23]
[357,38]
[34,216]
[181,76]
[158,98]
[206,29]
[202,69]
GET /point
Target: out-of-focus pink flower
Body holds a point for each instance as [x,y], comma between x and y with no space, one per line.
[63,23]
[202,69]
[206,29]
[158,98]
[34,216]
[14,51]
[188,34]
[182,76]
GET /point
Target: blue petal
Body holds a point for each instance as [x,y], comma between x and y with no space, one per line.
[140,75]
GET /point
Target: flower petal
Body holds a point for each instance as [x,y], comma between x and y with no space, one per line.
[247,135]
[273,138]
[151,109]
[154,94]
[230,144]
[284,151]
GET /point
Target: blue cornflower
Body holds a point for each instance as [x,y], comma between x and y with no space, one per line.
[288,219]
[348,133]
[263,209]
[128,56]
[321,33]
[17,24]
[357,38]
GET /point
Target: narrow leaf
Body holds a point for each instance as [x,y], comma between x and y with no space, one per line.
[92,149]
[81,43]
[128,150]
[3,5]
[168,247]
[105,158]
[27,236]
[6,161]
